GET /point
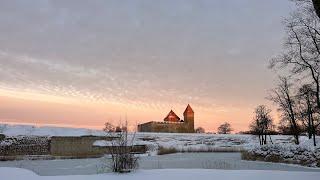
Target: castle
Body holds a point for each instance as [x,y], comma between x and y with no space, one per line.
[172,123]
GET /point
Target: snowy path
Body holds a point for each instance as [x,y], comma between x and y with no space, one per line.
[230,161]
[168,174]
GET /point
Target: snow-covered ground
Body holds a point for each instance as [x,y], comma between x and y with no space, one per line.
[203,142]
[181,142]
[212,142]
[168,174]
[227,161]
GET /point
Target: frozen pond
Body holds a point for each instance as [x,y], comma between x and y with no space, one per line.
[231,161]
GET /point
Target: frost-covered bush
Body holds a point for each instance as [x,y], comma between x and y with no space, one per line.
[2,137]
[287,153]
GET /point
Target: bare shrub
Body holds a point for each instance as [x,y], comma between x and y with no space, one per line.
[120,150]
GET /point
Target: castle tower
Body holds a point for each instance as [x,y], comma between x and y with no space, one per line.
[189,118]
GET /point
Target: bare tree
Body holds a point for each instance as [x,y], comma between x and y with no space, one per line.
[307,107]
[262,124]
[301,56]
[301,53]
[225,128]
[108,127]
[287,105]
[200,130]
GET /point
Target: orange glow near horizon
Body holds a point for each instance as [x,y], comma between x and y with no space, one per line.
[43,110]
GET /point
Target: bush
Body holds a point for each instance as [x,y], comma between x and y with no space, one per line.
[200,130]
[124,162]
[2,137]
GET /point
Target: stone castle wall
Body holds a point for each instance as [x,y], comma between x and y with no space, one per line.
[169,127]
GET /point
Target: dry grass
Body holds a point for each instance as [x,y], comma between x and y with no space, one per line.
[270,158]
[211,149]
[163,150]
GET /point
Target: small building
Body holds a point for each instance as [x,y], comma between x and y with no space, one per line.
[171,123]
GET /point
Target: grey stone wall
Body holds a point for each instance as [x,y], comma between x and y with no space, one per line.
[12,148]
[76,146]
[24,145]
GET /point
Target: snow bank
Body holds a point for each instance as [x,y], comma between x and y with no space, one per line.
[168,174]
[28,130]
[194,142]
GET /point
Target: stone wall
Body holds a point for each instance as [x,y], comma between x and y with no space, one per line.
[12,148]
[24,145]
[169,127]
[76,146]
[82,147]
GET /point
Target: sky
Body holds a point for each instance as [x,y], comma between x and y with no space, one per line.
[82,63]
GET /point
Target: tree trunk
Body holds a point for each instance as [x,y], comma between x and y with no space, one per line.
[310,119]
[295,131]
[309,134]
[270,139]
[262,139]
[292,114]
[313,133]
[309,128]
[297,139]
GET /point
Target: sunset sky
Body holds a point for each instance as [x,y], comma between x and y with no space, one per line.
[82,63]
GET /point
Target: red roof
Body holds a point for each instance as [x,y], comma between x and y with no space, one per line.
[188,110]
[172,117]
